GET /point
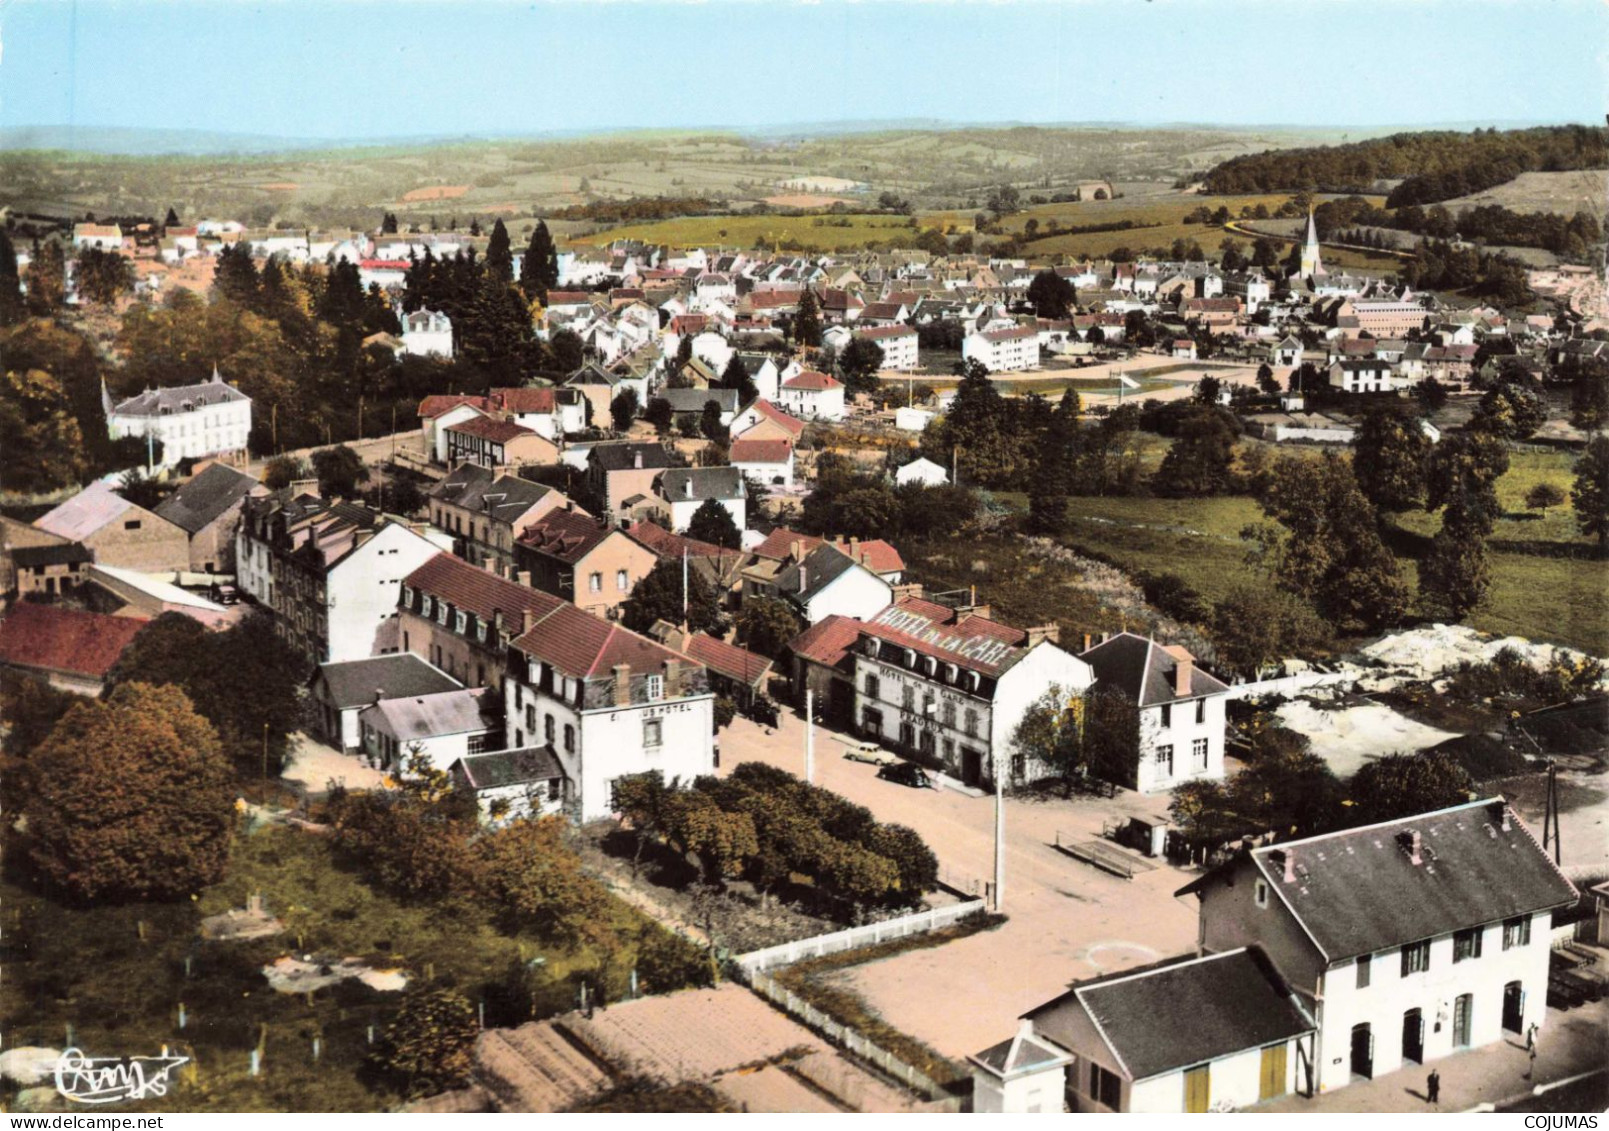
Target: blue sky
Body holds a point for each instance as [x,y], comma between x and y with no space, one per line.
[389,68]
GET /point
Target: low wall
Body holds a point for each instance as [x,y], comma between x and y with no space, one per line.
[756,961]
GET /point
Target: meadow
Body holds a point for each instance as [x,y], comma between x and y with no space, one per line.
[816,232]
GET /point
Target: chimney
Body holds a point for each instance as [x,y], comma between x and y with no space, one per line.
[523,577]
[379,694]
[1290,866]
[490,566]
[636,460]
[673,674]
[804,578]
[1500,814]
[1042,632]
[687,489]
[1088,641]
[1182,675]
[527,621]
[796,550]
[1410,841]
[622,674]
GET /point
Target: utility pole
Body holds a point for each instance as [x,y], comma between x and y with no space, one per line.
[999,837]
[273,424]
[684,587]
[810,736]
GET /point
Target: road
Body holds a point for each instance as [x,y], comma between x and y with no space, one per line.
[374,451]
[1067,920]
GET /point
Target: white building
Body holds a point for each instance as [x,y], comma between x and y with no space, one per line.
[685,489]
[512,785]
[440,728]
[427,333]
[768,461]
[341,691]
[827,582]
[898,343]
[212,418]
[923,471]
[606,703]
[1408,941]
[1003,351]
[1181,706]
[812,395]
[105,237]
[951,685]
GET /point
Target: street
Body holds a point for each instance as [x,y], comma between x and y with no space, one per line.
[1067,920]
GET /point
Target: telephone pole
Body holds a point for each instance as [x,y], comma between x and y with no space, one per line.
[810,736]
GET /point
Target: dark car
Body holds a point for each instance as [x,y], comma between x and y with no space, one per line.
[906,773]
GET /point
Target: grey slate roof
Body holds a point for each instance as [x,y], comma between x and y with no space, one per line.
[429,716]
[1358,891]
[498,768]
[153,402]
[353,683]
[681,484]
[1022,1053]
[1181,1013]
[822,566]
[204,497]
[477,489]
[622,457]
[1143,670]
[694,400]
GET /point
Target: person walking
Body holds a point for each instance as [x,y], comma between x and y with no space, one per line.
[1530,1048]
[1433,1087]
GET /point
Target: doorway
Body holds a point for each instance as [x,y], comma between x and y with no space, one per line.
[1413,1036]
[1362,1051]
[971,766]
[1514,1008]
[1463,1007]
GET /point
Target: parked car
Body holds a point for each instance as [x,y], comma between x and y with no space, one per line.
[906,773]
[869,752]
[225,594]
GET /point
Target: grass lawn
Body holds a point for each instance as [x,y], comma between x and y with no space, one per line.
[745,231]
[89,968]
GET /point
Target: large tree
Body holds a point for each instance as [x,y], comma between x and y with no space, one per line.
[130,798]
[1455,576]
[103,276]
[47,278]
[1054,461]
[1256,626]
[1388,459]
[340,472]
[1590,495]
[659,596]
[807,322]
[713,523]
[736,376]
[1050,295]
[1200,461]
[859,363]
[539,270]
[1327,547]
[765,625]
[1403,785]
[499,255]
[429,1047]
[1509,410]
[623,409]
[42,444]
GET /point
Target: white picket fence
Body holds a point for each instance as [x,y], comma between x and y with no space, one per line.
[842,1035]
[872,933]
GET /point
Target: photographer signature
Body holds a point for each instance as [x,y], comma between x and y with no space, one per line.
[105,1080]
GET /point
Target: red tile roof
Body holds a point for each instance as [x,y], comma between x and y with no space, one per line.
[582,646]
[727,659]
[523,400]
[779,543]
[569,298]
[774,414]
[932,610]
[873,553]
[384,264]
[497,431]
[433,406]
[827,642]
[51,638]
[760,451]
[810,379]
[773,299]
[668,545]
[565,535]
[475,590]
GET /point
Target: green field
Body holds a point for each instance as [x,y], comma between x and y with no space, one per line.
[808,231]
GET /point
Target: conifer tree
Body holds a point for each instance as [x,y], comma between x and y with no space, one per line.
[499,254]
[539,270]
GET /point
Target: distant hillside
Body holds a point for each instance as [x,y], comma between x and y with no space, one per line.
[1433,166]
[1584,190]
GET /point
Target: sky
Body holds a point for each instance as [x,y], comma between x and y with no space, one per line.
[371,69]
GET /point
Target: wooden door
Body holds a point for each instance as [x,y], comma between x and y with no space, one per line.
[1198,1089]
[1514,1008]
[1413,1036]
[1462,1008]
[1273,1074]
[1362,1051]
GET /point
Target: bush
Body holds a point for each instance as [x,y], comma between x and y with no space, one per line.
[1483,757]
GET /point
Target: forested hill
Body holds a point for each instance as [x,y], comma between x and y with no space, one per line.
[1436,165]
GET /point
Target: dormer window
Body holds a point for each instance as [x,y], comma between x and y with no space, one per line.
[461,622]
[428,606]
[950,673]
[654,688]
[407,596]
[441,613]
[533,672]
[910,657]
[483,629]
[972,681]
[929,665]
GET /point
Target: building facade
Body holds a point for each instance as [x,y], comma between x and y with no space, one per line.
[212,418]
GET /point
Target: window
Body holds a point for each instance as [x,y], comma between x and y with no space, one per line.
[621,581]
[1517,932]
[1167,714]
[1164,758]
[441,613]
[1105,1088]
[873,686]
[971,723]
[569,739]
[594,583]
[428,606]
[530,717]
[1019,766]
[1365,962]
[1467,944]
[483,630]
[652,730]
[949,714]
[1198,754]
[407,596]
[477,744]
[1259,893]
[1416,958]
[908,693]
[547,728]
[132,524]
[654,688]
[519,696]
[1201,710]
[461,622]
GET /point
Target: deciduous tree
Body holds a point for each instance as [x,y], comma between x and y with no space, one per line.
[1590,495]
[713,523]
[1402,785]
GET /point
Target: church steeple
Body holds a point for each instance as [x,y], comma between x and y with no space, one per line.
[1311,263]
